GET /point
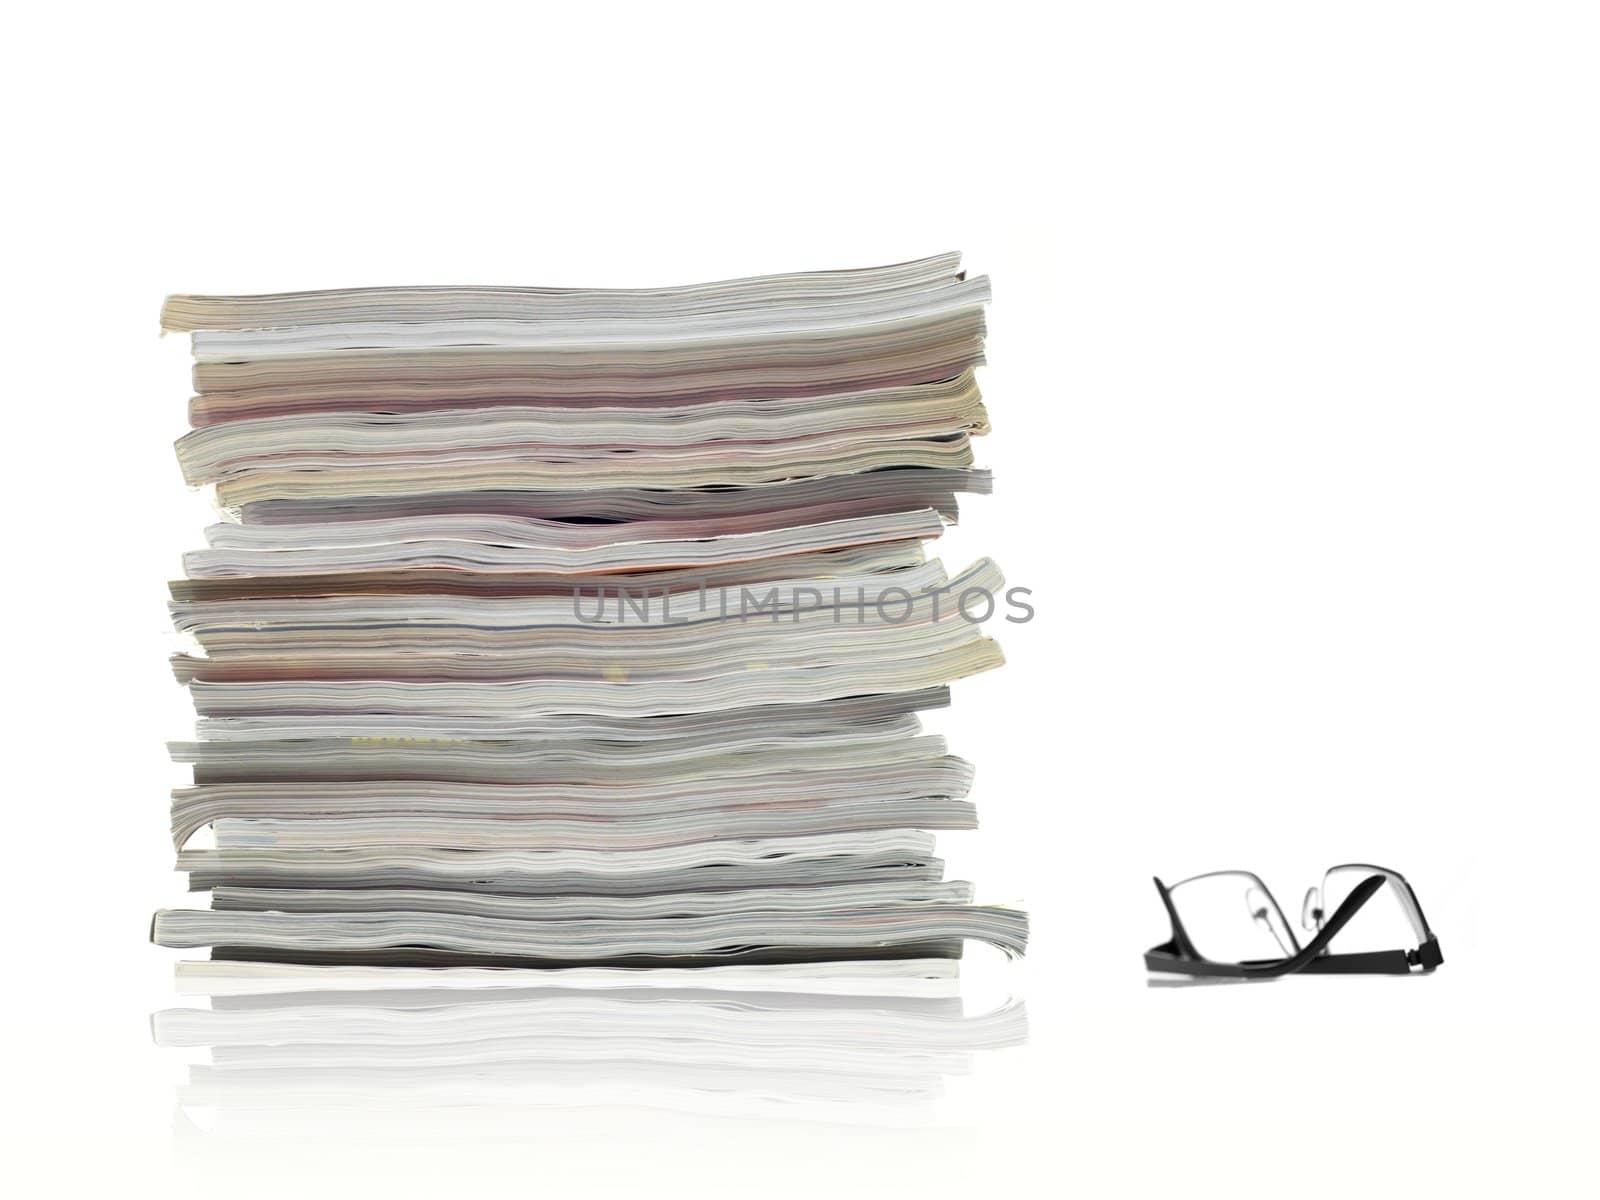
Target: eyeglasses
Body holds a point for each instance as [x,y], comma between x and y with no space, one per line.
[1227,923]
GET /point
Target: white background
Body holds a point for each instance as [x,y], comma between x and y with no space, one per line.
[1293,378]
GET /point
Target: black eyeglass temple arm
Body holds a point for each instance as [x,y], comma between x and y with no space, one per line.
[1380,962]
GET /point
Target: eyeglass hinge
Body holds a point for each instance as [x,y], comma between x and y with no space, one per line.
[1426,956]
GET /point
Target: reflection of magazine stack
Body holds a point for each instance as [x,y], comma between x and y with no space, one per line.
[282,1057]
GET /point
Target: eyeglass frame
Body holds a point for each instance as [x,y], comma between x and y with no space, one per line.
[1178,955]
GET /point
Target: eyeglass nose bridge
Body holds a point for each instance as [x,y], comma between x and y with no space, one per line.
[1311,914]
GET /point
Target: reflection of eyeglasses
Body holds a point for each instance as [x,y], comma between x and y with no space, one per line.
[1227,923]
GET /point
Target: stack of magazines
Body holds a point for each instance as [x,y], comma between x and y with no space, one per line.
[577,628]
